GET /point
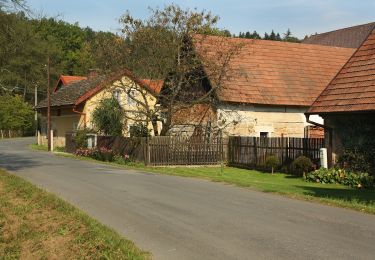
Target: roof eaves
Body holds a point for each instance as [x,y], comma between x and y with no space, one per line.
[309,112]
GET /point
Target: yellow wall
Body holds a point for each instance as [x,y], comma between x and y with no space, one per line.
[70,121]
[123,86]
[66,122]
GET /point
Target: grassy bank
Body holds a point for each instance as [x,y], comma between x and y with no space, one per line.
[37,225]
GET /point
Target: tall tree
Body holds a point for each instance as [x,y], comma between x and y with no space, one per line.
[288,37]
[15,115]
[160,48]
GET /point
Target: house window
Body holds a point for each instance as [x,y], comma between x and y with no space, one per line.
[131,96]
[117,95]
[75,126]
[263,134]
[59,112]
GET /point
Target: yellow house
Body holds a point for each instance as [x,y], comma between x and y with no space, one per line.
[74,100]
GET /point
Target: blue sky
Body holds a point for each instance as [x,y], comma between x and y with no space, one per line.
[301,16]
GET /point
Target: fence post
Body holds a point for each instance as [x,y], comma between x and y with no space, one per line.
[51,136]
[282,149]
[255,151]
[148,155]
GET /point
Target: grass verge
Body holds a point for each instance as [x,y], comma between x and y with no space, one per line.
[37,225]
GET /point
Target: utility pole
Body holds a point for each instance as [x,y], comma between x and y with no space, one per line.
[36,111]
[48,106]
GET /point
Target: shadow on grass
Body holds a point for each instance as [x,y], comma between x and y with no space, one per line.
[289,176]
[366,197]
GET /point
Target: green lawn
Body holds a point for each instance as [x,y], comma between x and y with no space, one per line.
[37,225]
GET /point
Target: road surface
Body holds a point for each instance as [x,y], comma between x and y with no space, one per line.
[187,218]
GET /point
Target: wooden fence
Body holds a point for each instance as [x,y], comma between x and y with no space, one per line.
[236,151]
[185,151]
[135,147]
[10,133]
[253,151]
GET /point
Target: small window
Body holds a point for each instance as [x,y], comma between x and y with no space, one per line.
[117,95]
[75,126]
[131,96]
[263,134]
[59,112]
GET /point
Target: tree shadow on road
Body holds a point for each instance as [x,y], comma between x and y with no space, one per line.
[16,162]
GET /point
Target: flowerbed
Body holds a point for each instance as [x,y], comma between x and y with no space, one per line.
[105,155]
[340,176]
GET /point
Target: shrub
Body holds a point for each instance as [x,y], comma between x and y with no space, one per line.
[354,161]
[301,165]
[101,154]
[80,139]
[139,130]
[272,162]
[108,117]
[84,152]
[341,176]
[122,159]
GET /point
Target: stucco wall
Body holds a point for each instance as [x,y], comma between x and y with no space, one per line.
[67,121]
[254,119]
[129,105]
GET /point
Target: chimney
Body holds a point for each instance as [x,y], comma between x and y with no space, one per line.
[93,73]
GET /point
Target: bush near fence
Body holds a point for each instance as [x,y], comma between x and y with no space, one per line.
[252,152]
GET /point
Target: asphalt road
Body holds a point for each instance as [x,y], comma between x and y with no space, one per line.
[186,218]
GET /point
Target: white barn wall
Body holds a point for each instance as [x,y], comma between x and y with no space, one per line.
[254,119]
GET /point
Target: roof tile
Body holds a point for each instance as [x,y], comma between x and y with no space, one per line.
[268,72]
[353,89]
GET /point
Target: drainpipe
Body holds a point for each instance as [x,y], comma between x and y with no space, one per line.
[82,114]
[330,143]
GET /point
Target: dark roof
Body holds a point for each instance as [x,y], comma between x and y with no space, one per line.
[353,88]
[71,92]
[65,80]
[351,37]
[270,72]
[76,92]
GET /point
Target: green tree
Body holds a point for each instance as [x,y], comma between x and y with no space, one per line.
[255,35]
[16,115]
[288,37]
[159,49]
[108,117]
[272,36]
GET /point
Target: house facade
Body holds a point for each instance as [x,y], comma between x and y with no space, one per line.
[267,86]
[347,105]
[73,103]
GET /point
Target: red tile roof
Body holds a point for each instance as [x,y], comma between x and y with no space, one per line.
[69,79]
[353,88]
[66,80]
[351,37]
[78,91]
[154,84]
[270,72]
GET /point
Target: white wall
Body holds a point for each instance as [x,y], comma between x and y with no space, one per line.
[254,119]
